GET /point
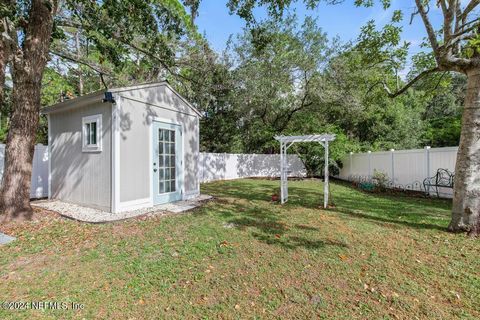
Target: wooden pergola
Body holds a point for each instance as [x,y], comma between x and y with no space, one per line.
[285,143]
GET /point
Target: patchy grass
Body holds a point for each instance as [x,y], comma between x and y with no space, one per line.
[240,256]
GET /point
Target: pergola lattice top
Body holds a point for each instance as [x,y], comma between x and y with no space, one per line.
[308,138]
[285,143]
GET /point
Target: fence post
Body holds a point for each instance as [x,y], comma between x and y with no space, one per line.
[392,152]
[225,164]
[427,166]
[369,164]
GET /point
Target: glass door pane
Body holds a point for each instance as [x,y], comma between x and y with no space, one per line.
[166,161]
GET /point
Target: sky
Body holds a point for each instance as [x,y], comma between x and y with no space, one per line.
[344,20]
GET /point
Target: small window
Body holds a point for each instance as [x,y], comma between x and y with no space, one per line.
[91,133]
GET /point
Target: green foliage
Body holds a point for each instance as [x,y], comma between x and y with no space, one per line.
[443,132]
[472,47]
[380,179]
[280,76]
[55,87]
[277,66]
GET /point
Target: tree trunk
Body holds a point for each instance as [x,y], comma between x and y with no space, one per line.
[28,63]
[466,196]
[19,150]
[79,68]
[3,66]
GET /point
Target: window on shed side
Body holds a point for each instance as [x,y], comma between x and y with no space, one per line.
[91,133]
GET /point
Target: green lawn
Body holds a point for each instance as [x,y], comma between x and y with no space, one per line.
[240,256]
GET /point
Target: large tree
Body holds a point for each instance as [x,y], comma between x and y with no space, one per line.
[28,29]
[276,77]
[454,47]
[26,32]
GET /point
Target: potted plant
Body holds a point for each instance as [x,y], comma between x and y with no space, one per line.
[275,195]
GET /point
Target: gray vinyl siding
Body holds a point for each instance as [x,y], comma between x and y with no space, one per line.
[80,177]
[136,109]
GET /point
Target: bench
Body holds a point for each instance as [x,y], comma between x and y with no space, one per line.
[442,179]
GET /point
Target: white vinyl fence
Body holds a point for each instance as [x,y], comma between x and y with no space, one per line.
[406,169]
[213,166]
[223,166]
[39,188]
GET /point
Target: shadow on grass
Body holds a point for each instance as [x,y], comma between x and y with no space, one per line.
[415,225]
[258,190]
[293,242]
[418,213]
[412,212]
[267,226]
[305,227]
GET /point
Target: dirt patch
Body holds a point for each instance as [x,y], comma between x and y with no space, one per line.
[127,229]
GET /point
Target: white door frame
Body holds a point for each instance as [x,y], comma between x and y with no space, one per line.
[150,120]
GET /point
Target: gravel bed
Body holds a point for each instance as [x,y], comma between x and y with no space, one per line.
[87,214]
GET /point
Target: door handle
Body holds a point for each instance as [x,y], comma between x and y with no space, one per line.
[154,170]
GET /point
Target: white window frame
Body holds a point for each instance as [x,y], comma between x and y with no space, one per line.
[97,118]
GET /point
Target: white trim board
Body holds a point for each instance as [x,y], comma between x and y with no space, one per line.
[191,194]
[156,84]
[49,139]
[134,205]
[115,125]
[97,147]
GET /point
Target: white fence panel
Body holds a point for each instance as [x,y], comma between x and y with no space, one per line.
[360,164]
[39,186]
[410,167]
[223,166]
[381,161]
[406,168]
[443,158]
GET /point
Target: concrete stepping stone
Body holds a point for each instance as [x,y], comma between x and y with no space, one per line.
[4,239]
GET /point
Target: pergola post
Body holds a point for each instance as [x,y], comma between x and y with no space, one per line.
[282,169]
[325,183]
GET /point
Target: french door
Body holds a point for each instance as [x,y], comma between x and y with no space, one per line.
[167,162]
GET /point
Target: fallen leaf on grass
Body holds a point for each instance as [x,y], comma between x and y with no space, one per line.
[224,243]
[455,294]
[343,257]
[368,288]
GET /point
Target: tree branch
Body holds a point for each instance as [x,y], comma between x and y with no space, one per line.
[72,24]
[95,68]
[469,8]
[454,36]
[428,26]
[447,19]
[303,104]
[410,83]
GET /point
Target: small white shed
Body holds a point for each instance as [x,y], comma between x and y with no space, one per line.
[124,149]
